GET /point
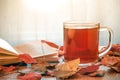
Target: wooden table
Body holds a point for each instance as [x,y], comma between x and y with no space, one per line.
[109,74]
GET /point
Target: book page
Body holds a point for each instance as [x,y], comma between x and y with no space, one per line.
[5,45]
[35,49]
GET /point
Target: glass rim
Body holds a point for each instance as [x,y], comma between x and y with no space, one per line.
[76,23]
[81,22]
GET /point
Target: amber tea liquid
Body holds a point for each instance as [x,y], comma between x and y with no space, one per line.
[81,42]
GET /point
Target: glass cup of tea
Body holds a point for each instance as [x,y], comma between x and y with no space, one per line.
[81,40]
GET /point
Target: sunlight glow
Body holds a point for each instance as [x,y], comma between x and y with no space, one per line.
[44,5]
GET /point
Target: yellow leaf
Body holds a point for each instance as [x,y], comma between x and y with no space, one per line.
[69,66]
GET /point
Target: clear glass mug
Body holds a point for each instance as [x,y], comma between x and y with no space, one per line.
[81,40]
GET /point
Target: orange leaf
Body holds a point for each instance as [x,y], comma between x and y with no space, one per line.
[27,58]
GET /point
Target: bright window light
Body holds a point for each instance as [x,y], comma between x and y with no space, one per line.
[44,5]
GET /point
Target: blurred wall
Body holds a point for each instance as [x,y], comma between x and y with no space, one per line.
[28,20]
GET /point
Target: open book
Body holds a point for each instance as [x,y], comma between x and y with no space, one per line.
[9,54]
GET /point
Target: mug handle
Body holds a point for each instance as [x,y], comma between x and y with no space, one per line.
[108,47]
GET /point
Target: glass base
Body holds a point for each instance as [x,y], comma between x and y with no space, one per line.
[86,64]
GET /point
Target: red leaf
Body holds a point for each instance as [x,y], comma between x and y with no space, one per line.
[61,48]
[110,60]
[27,58]
[30,76]
[50,43]
[89,69]
[115,47]
[8,69]
[1,68]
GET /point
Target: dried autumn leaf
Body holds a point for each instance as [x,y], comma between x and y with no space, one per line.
[115,47]
[110,60]
[1,68]
[69,66]
[30,76]
[27,58]
[113,58]
[67,69]
[64,74]
[8,69]
[116,67]
[40,66]
[50,43]
[116,54]
[89,69]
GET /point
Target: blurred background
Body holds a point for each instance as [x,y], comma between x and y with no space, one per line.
[30,20]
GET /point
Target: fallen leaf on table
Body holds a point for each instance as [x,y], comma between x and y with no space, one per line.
[69,66]
[116,67]
[1,68]
[27,58]
[89,69]
[7,69]
[64,74]
[116,54]
[110,60]
[115,47]
[40,66]
[67,69]
[29,76]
